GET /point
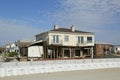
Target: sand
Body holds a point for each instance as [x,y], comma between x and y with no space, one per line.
[101,74]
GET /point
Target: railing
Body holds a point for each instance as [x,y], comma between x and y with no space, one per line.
[56,43]
[81,44]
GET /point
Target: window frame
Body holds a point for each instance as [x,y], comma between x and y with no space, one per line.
[66,38]
[89,39]
[81,39]
[56,39]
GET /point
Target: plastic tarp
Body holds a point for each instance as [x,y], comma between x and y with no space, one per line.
[35,51]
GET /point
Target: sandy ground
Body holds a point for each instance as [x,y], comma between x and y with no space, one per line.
[101,74]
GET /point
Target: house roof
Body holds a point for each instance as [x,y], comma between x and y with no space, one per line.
[69,30]
[35,43]
[24,44]
[66,30]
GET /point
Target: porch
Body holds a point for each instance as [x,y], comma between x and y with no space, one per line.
[67,52]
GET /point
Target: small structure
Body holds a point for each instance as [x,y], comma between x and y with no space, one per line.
[61,43]
[35,50]
[102,48]
[19,47]
[117,49]
[2,49]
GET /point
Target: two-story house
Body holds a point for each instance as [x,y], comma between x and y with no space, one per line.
[62,43]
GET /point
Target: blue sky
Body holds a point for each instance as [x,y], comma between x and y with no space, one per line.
[22,19]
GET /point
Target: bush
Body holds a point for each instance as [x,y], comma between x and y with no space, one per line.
[12,54]
[118,52]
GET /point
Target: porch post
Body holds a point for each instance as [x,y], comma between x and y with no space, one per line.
[91,52]
[81,53]
[62,52]
[47,52]
[70,52]
[51,53]
[44,52]
[57,52]
[54,53]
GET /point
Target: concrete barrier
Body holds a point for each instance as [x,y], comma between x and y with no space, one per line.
[15,71]
[26,70]
[21,70]
[55,66]
[8,71]
[2,72]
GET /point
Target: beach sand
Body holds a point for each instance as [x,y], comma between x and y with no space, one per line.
[100,74]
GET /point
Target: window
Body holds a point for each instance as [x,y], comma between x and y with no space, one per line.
[80,39]
[55,38]
[66,38]
[89,39]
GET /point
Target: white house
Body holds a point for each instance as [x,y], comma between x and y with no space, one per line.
[117,49]
[19,47]
[66,43]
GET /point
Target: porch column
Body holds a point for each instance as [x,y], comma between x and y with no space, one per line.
[91,52]
[44,52]
[54,53]
[70,52]
[81,53]
[57,52]
[51,53]
[62,53]
[47,52]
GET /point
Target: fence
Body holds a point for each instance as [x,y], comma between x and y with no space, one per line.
[33,67]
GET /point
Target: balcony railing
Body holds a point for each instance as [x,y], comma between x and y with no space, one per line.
[81,44]
[56,43]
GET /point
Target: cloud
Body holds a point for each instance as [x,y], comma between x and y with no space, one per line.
[90,15]
[88,12]
[12,30]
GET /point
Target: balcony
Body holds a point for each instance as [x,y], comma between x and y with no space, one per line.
[59,42]
[81,44]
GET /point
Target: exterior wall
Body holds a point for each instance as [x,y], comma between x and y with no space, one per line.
[101,49]
[73,39]
[43,36]
[24,51]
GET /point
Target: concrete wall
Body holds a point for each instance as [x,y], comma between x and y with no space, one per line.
[25,68]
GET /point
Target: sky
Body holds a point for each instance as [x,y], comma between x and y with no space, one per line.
[23,19]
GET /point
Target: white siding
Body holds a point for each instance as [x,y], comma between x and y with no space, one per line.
[73,39]
[43,37]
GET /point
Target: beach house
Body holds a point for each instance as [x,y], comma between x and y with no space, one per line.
[64,43]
